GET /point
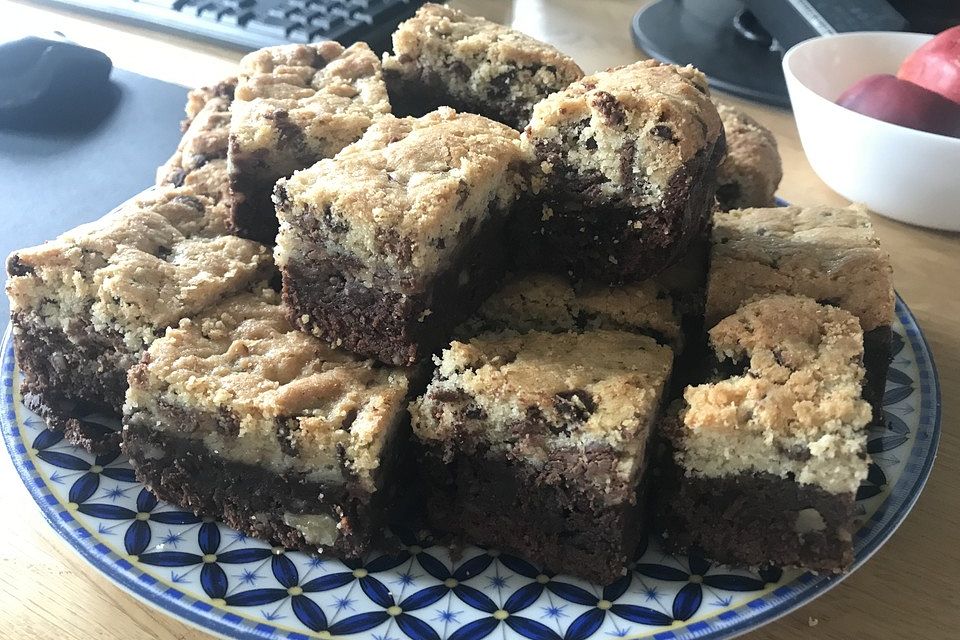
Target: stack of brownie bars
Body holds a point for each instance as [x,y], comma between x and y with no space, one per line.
[507,292]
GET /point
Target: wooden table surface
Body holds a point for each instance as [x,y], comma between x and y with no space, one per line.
[47,592]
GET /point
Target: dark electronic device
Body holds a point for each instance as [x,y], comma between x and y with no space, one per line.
[38,76]
[738,44]
[254,24]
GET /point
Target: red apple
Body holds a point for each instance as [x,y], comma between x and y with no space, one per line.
[886,97]
[936,65]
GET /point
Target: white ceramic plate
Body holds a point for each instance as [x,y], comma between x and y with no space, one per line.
[206,574]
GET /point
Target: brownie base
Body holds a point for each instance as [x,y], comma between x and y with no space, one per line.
[322,298]
[252,213]
[66,378]
[252,499]
[876,361]
[749,520]
[585,237]
[539,513]
[419,95]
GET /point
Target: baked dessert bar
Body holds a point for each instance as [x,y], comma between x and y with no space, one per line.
[537,444]
[769,454]
[387,247]
[547,302]
[238,416]
[200,161]
[295,104]
[443,57]
[85,306]
[625,173]
[829,254]
[751,172]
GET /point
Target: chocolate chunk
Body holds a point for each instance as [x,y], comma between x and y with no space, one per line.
[197,161]
[190,201]
[448,395]
[463,192]
[575,406]
[500,85]
[665,132]
[16,267]
[286,429]
[177,177]
[611,110]
[460,70]
[348,420]
[474,412]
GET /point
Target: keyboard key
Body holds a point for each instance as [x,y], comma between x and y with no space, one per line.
[365,18]
[208,10]
[231,16]
[326,23]
[269,25]
[236,5]
[298,33]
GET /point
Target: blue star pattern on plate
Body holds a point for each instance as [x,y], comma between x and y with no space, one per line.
[240,587]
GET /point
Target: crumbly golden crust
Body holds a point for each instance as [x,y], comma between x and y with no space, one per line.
[200,161]
[295,104]
[797,408]
[544,302]
[199,97]
[634,124]
[478,61]
[540,391]
[406,196]
[752,170]
[285,390]
[161,257]
[826,253]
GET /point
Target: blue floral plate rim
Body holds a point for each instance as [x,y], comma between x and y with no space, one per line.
[769,604]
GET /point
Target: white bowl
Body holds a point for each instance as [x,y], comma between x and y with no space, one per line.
[902,173]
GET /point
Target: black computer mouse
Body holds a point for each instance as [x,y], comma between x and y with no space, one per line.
[42,78]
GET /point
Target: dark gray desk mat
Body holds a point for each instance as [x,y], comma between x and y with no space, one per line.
[51,181]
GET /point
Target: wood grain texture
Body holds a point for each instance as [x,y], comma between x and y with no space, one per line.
[47,592]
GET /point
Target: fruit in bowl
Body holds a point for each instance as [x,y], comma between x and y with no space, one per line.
[888,98]
[936,65]
[925,93]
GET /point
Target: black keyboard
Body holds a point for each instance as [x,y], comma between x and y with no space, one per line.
[254,24]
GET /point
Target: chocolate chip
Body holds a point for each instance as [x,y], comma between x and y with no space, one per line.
[225,90]
[575,406]
[591,144]
[348,420]
[611,110]
[474,412]
[665,132]
[190,201]
[286,428]
[460,70]
[177,177]
[197,161]
[16,267]
[336,224]
[463,192]
[280,196]
[448,395]
[227,424]
[533,423]
[500,85]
